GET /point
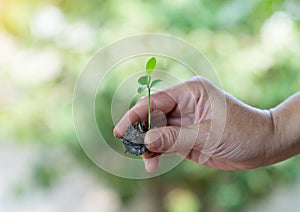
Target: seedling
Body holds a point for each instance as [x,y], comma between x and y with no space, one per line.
[146,83]
[133,138]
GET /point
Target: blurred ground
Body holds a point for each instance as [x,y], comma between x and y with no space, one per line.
[284,198]
[77,190]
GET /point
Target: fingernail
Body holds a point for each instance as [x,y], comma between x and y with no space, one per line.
[153,139]
[116,133]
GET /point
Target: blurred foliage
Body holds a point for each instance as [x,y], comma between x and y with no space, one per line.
[254,46]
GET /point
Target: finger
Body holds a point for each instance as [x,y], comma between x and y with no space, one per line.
[138,113]
[193,155]
[162,101]
[158,119]
[147,155]
[198,157]
[173,139]
[151,164]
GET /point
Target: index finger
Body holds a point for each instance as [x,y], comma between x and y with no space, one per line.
[162,101]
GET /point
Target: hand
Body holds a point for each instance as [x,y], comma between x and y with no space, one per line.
[207,126]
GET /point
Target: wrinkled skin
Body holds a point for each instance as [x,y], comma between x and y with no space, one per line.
[211,127]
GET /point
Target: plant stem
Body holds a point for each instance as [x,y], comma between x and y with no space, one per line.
[149,112]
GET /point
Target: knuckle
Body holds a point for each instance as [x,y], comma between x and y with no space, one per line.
[195,82]
[197,79]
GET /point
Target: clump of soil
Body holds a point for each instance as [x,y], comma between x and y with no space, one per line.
[133,139]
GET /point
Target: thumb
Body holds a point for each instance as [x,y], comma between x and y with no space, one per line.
[172,138]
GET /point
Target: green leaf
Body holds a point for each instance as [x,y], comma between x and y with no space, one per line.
[141,88]
[155,83]
[135,99]
[143,80]
[150,65]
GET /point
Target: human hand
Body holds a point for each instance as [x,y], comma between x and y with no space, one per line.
[207,126]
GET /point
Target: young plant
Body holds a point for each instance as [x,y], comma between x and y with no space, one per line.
[146,83]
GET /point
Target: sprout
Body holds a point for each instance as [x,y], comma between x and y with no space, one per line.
[146,83]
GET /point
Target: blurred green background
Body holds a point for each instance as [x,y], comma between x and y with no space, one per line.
[254,45]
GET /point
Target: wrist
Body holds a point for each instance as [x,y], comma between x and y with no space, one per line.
[270,137]
[286,138]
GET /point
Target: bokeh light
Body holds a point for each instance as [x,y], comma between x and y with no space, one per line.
[254,46]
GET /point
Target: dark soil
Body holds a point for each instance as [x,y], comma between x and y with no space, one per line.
[133,139]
